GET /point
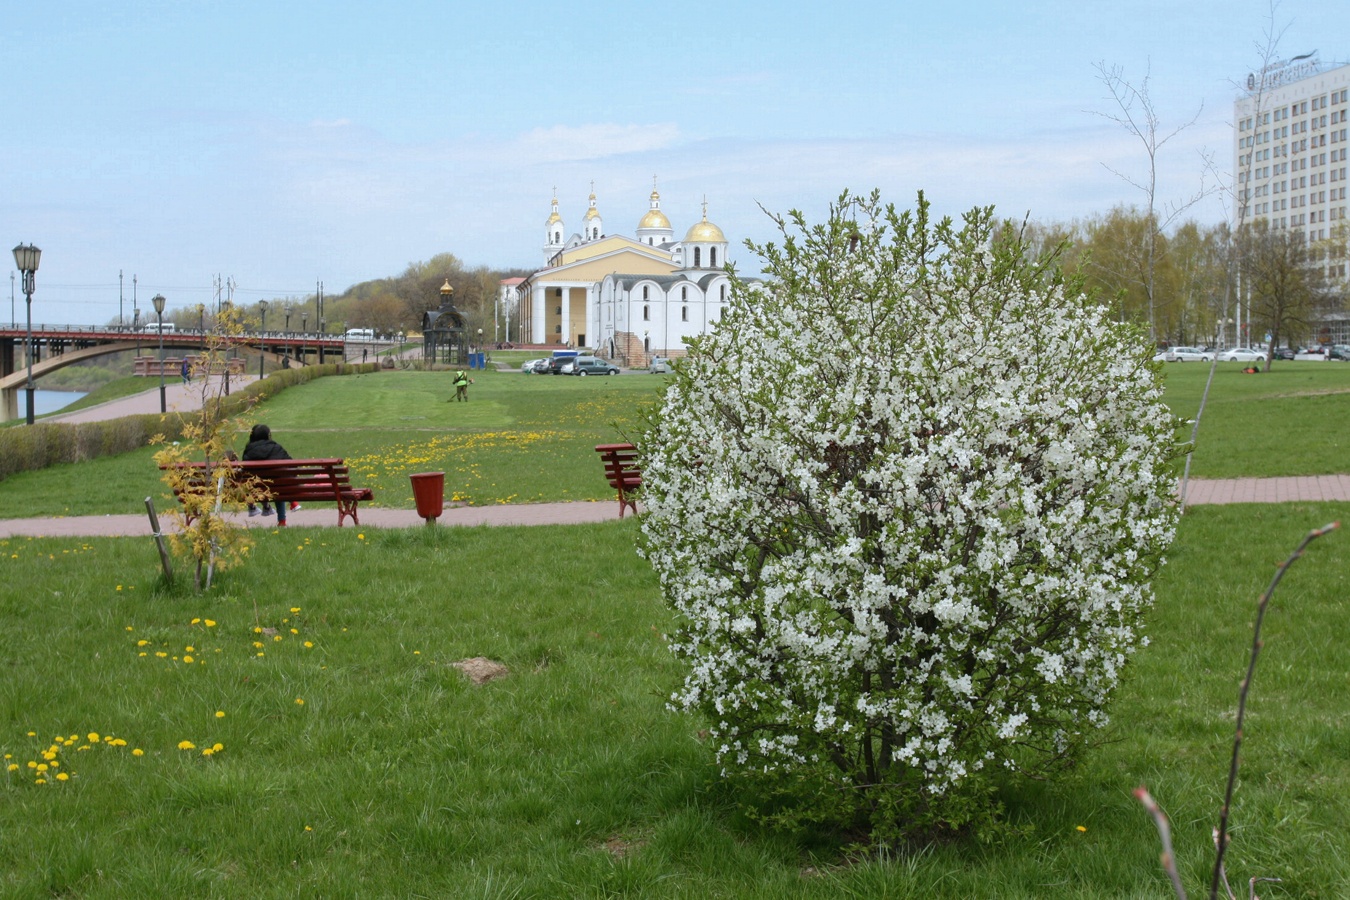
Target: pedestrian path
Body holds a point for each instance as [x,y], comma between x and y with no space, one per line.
[1200,492]
[178,397]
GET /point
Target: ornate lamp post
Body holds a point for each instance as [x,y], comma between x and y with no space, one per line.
[304,330]
[323,333]
[262,349]
[26,258]
[158,301]
[288,329]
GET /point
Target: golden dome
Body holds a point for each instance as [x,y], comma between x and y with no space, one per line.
[705,232]
[554,217]
[655,219]
[592,213]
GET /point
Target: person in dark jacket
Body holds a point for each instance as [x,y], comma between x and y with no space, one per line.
[261,446]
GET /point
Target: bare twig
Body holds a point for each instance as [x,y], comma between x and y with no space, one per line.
[1222,840]
[1169,862]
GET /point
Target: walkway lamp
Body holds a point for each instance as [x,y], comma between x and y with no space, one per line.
[158,301]
[288,329]
[323,333]
[262,348]
[304,331]
[26,258]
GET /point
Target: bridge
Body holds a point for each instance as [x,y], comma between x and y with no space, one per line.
[56,346]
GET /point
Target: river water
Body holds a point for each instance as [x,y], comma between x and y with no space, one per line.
[48,401]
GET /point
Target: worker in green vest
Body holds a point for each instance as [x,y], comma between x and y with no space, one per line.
[462,385]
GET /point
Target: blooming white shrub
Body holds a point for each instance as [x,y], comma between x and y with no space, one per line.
[907,500]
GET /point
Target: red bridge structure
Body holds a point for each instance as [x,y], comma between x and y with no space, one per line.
[55,346]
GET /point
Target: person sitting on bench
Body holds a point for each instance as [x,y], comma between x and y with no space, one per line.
[261,446]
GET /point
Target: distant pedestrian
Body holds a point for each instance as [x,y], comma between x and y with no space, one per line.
[186,371]
[462,383]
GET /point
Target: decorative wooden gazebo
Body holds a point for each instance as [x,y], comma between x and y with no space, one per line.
[444,337]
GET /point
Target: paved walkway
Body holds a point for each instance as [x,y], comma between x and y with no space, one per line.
[1315,488]
[178,397]
[325,515]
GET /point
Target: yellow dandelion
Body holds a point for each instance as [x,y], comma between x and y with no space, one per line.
[210,623]
[42,767]
[217,747]
[276,637]
[142,642]
[119,587]
[299,701]
[295,631]
[186,745]
[295,609]
[1082,828]
[137,752]
[32,764]
[194,621]
[309,644]
[13,767]
[39,781]
[190,649]
[257,629]
[308,828]
[220,714]
[187,659]
[208,752]
[93,737]
[62,776]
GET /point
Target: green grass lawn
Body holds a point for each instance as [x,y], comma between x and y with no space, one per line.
[355,760]
[519,439]
[569,778]
[1287,422]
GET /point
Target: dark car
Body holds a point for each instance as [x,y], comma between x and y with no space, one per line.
[560,365]
[590,365]
[1340,351]
[1282,353]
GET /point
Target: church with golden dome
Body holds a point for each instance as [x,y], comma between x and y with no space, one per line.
[625,298]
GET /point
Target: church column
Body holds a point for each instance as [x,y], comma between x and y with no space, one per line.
[539,321]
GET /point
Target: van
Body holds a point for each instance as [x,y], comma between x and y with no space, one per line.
[157,328]
[360,334]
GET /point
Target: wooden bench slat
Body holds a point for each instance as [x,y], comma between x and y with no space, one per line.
[287,480]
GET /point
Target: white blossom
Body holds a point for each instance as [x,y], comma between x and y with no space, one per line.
[909,494]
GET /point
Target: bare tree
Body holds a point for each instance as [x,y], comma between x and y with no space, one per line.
[1136,113]
[1284,278]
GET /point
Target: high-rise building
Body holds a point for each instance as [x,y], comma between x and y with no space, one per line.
[1290,147]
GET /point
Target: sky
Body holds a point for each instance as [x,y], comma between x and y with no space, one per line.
[279,145]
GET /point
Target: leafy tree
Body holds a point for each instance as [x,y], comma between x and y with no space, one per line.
[906,500]
[1285,280]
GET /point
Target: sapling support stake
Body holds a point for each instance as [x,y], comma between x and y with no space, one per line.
[159,539]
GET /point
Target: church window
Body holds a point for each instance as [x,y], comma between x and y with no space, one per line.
[644,292]
[684,293]
[712,257]
[684,314]
[646,313]
[557,292]
[698,256]
[724,293]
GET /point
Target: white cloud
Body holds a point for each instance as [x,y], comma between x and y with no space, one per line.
[596,141]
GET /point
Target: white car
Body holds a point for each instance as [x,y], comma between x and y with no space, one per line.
[659,366]
[1187,354]
[527,367]
[1243,354]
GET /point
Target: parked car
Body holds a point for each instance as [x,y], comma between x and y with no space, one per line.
[1243,354]
[528,367]
[590,365]
[560,365]
[1314,354]
[659,366]
[1283,353]
[540,366]
[1187,354]
[1340,351]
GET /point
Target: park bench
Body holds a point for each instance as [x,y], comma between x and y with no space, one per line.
[290,480]
[622,471]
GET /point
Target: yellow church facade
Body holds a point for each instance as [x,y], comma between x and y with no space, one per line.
[625,298]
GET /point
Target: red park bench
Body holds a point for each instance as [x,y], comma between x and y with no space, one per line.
[287,480]
[622,471]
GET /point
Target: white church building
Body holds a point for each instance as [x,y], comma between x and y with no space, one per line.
[625,298]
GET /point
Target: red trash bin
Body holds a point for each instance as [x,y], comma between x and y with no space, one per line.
[429,493]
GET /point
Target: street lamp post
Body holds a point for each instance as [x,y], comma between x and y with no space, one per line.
[480,343]
[27,257]
[158,301]
[323,333]
[262,348]
[288,330]
[304,332]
